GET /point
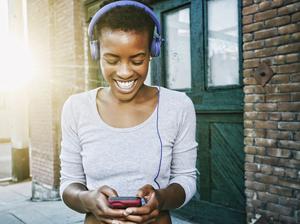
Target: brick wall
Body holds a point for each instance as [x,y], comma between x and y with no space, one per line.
[271,34]
[57,35]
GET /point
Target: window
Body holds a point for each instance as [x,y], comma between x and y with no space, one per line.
[223,54]
[178,52]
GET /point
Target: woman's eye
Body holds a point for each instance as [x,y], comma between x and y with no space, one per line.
[111,62]
[137,62]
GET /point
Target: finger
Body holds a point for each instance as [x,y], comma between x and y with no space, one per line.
[108,191]
[106,211]
[145,190]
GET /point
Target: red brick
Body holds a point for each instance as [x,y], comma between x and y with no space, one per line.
[262,16]
[264,5]
[279,59]
[266,124]
[266,33]
[274,116]
[265,52]
[248,141]
[248,107]
[258,115]
[266,169]
[289,9]
[278,21]
[251,167]
[250,9]
[295,37]
[266,179]
[278,97]
[288,116]
[287,219]
[295,67]
[276,152]
[289,48]
[254,98]
[248,54]
[279,209]
[253,45]
[247,19]
[247,2]
[249,158]
[267,197]
[296,17]
[265,106]
[253,185]
[249,176]
[281,190]
[278,171]
[248,73]
[295,97]
[254,89]
[263,142]
[250,150]
[247,37]
[289,126]
[276,134]
[289,183]
[280,79]
[290,28]
[288,88]
[295,77]
[266,160]
[289,144]
[261,151]
[292,173]
[275,41]
[289,106]
[250,80]
[293,58]
[249,28]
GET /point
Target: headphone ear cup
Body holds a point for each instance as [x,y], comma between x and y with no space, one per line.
[155,46]
[94,48]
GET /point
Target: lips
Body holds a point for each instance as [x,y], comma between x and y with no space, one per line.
[125,86]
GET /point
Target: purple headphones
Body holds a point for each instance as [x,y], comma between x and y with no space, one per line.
[94,45]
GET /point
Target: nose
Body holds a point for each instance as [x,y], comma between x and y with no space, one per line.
[124,71]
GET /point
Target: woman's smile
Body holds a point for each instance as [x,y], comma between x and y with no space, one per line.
[125,86]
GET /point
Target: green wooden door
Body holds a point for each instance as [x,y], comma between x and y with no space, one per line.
[218,102]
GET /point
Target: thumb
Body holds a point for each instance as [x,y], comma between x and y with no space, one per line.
[145,191]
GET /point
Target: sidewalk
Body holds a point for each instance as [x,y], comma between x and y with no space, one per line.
[17,208]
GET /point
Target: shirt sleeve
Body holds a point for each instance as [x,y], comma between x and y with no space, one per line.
[183,165]
[70,157]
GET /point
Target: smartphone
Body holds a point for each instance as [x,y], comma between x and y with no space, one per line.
[125,202]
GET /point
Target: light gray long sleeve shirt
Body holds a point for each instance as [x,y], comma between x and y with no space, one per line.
[96,154]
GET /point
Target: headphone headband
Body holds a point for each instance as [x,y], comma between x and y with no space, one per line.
[112,5]
[156,41]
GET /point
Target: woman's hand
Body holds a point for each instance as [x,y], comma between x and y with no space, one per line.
[150,211]
[95,202]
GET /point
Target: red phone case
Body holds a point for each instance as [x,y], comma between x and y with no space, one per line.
[124,202]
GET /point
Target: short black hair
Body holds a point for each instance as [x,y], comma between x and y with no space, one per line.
[126,18]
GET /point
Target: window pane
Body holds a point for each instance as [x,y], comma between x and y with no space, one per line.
[178,53]
[223,55]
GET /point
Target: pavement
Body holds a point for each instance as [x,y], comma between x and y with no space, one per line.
[17,208]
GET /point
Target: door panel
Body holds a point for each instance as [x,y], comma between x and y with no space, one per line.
[220,186]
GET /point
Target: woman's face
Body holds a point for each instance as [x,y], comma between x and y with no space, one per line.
[124,60]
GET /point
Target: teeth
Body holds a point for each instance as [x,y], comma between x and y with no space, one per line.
[125,85]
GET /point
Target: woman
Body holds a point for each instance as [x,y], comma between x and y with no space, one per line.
[128,139]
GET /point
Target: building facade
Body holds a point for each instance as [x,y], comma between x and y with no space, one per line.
[238,61]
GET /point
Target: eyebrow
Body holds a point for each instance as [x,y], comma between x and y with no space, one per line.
[116,56]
